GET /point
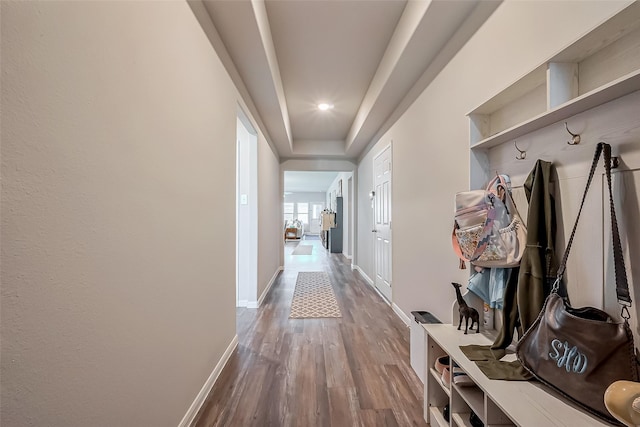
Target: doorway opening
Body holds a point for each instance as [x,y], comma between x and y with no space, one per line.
[246,213]
[317,215]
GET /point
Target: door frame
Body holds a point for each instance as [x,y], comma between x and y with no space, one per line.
[386,291]
[246,212]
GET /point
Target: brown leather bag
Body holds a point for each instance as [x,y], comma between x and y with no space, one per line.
[581,351]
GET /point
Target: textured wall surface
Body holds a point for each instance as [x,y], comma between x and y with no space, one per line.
[118,144]
[270,241]
[431,142]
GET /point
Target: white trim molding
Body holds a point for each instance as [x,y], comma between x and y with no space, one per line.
[363,274]
[370,282]
[189,417]
[405,319]
[269,285]
[243,303]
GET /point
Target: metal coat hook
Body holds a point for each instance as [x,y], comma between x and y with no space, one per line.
[575,138]
[615,162]
[522,154]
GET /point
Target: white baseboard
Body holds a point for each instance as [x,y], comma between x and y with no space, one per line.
[252,304]
[371,283]
[384,298]
[349,257]
[269,285]
[363,274]
[406,319]
[243,303]
[188,418]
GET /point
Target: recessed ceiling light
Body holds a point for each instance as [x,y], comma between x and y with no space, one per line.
[324,106]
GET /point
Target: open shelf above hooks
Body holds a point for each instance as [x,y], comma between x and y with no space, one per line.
[613,90]
[599,67]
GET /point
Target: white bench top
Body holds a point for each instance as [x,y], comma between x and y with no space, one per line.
[527,403]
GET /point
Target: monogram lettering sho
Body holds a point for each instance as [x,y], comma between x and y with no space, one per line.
[570,357]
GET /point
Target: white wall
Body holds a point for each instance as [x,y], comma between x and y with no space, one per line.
[351,206]
[247,222]
[317,165]
[305,197]
[270,241]
[118,164]
[431,140]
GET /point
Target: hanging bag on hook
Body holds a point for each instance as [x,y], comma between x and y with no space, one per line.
[581,351]
[488,230]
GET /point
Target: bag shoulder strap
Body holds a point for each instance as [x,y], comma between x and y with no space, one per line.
[622,285]
[499,181]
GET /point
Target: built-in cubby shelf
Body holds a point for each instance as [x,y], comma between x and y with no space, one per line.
[612,90]
[474,398]
[437,417]
[600,67]
[462,420]
[496,403]
[437,377]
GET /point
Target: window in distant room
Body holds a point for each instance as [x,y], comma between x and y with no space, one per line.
[288,212]
[316,211]
[303,212]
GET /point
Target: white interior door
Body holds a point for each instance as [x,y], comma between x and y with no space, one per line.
[382,221]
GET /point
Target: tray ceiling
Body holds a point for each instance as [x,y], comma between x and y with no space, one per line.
[369,58]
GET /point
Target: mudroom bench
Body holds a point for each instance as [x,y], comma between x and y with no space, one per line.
[496,403]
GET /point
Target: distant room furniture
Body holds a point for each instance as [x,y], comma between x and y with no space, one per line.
[327,221]
[290,233]
[293,230]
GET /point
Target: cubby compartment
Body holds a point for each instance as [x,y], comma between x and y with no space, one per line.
[437,417]
[523,99]
[496,403]
[460,410]
[473,398]
[438,379]
[494,415]
[437,394]
[601,66]
[593,84]
[462,420]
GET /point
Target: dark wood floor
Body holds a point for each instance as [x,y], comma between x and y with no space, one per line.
[351,371]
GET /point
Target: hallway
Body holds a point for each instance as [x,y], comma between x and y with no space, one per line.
[318,372]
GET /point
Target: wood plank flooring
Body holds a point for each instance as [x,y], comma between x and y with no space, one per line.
[341,372]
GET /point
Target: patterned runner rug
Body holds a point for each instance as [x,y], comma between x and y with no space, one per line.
[303,250]
[314,297]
